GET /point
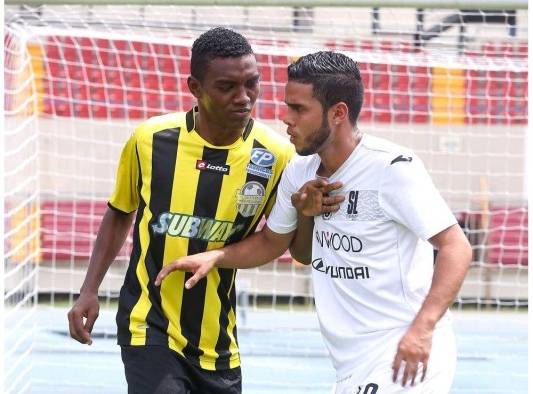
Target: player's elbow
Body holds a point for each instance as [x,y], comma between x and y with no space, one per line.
[467,250]
[300,256]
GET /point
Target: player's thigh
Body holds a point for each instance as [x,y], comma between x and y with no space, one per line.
[442,362]
[381,383]
[155,370]
[438,380]
[225,381]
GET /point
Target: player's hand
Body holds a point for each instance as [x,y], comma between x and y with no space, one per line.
[414,348]
[199,264]
[313,198]
[86,307]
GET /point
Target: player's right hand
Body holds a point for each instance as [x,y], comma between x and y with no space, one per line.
[86,307]
[199,264]
[313,198]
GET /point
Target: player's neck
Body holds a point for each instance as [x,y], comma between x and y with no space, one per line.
[338,151]
[214,133]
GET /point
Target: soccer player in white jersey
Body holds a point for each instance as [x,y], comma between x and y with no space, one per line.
[373,217]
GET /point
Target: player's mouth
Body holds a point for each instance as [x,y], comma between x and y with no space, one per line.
[292,136]
[242,112]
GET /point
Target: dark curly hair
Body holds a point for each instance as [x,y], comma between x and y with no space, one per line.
[335,78]
[217,42]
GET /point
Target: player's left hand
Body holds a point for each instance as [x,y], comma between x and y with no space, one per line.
[313,198]
[199,264]
[414,348]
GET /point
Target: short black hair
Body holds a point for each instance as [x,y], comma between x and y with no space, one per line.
[217,42]
[335,78]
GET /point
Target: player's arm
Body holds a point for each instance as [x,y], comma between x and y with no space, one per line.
[409,197]
[257,249]
[453,259]
[265,245]
[111,236]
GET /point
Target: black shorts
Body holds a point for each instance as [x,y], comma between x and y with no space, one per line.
[160,370]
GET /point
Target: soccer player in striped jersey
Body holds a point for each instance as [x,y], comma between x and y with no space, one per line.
[381,303]
[193,182]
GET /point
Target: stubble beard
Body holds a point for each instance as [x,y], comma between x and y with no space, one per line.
[315,140]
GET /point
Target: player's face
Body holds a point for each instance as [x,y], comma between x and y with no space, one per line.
[306,122]
[229,90]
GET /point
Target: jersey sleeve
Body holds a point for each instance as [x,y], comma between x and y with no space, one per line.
[283,218]
[286,157]
[125,197]
[408,196]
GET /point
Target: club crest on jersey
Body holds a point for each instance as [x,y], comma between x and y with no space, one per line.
[249,198]
[203,165]
[262,157]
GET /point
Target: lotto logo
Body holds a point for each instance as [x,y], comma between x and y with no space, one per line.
[262,157]
[203,165]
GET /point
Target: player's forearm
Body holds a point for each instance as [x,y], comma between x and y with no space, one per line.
[301,245]
[259,248]
[111,236]
[453,260]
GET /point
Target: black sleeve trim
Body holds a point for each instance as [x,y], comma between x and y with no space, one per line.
[118,210]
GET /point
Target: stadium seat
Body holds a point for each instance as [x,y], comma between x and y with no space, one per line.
[170,83]
[267,91]
[69,228]
[508,236]
[267,111]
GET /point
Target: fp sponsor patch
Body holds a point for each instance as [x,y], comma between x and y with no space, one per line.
[263,172]
[262,157]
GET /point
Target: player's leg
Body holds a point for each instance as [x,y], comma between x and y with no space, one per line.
[155,370]
[225,381]
[442,362]
[439,377]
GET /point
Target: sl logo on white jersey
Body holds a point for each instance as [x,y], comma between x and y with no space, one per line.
[249,198]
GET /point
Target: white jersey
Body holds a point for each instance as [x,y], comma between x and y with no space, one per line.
[372,264]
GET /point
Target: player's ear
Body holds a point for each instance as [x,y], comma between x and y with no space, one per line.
[338,113]
[195,86]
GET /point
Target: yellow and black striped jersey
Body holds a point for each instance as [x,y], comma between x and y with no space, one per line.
[190,197]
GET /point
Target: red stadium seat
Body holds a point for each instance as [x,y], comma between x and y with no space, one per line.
[508,236]
[151,81]
[98,111]
[267,111]
[279,92]
[171,102]
[367,45]
[170,83]
[267,91]
[81,110]
[166,65]
[69,228]
[62,107]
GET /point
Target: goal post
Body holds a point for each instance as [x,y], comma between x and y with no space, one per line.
[447,78]
[442,4]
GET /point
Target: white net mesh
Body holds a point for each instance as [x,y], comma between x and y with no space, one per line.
[451,85]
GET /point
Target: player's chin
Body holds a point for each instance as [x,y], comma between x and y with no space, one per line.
[238,122]
[303,150]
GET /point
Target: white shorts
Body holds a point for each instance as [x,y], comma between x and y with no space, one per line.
[377,378]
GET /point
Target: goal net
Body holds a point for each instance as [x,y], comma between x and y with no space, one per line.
[450,84]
